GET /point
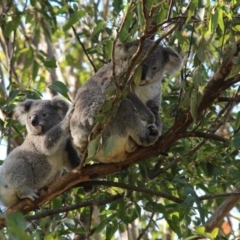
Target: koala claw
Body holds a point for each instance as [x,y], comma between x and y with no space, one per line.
[33,195]
[153,131]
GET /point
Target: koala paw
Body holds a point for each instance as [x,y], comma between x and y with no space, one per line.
[32,194]
[153,131]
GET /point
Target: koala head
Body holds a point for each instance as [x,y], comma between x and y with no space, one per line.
[41,115]
[162,60]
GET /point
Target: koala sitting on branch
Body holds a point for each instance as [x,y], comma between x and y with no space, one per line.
[136,121]
[44,153]
[160,61]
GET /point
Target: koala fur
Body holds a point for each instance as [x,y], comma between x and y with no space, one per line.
[127,126]
[133,125]
[44,153]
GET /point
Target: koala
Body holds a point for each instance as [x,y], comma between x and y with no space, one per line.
[133,125]
[162,60]
[137,121]
[46,150]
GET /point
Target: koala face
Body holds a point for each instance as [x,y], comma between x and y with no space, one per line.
[162,60]
[41,115]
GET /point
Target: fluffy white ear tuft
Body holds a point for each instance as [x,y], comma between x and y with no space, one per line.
[174,61]
[61,104]
[21,110]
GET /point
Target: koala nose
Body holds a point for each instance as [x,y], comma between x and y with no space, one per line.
[153,130]
[34,120]
[144,72]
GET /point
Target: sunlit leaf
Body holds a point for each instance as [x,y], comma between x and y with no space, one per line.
[93,147]
[59,87]
[76,16]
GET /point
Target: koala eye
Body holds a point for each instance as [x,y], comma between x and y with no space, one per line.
[154,68]
[44,114]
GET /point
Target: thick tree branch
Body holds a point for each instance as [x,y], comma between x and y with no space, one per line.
[222,211]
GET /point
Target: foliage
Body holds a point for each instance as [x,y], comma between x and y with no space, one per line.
[50,47]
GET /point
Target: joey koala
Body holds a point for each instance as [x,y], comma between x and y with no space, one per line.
[137,121]
[44,153]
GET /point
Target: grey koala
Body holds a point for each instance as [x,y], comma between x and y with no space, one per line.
[137,121]
[44,153]
[162,60]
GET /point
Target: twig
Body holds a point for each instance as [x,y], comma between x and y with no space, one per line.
[134,188]
[169,9]
[73,207]
[116,39]
[219,195]
[146,228]
[206,136]
[84,49]
[227,99]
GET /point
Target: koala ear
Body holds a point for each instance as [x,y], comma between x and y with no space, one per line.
[61,105]
[173,61]
[21,110]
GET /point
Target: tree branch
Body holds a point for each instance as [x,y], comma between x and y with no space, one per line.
[146,228]
[222,210]
[73,207]
[84,49]
[205,136]
[134,188]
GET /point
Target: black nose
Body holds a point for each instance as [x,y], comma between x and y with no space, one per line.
[153,130]
[144,72]
[34,120]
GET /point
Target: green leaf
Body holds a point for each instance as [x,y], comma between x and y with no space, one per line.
[12,25]
[201,49]
[35,69]
[108,48]
[50,63]
[60,87]
[108,145]
[117,7]
[73,19]
[100,227]
[141,22]
[111,229]
[137,75]
[98,28]
[195,100]
[93,147]
[236,141]
[16,225]
[106,107]
[200,230]
[214,233]
[220,18]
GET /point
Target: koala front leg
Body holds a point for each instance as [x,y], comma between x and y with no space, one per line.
[50,142]
[153,106]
